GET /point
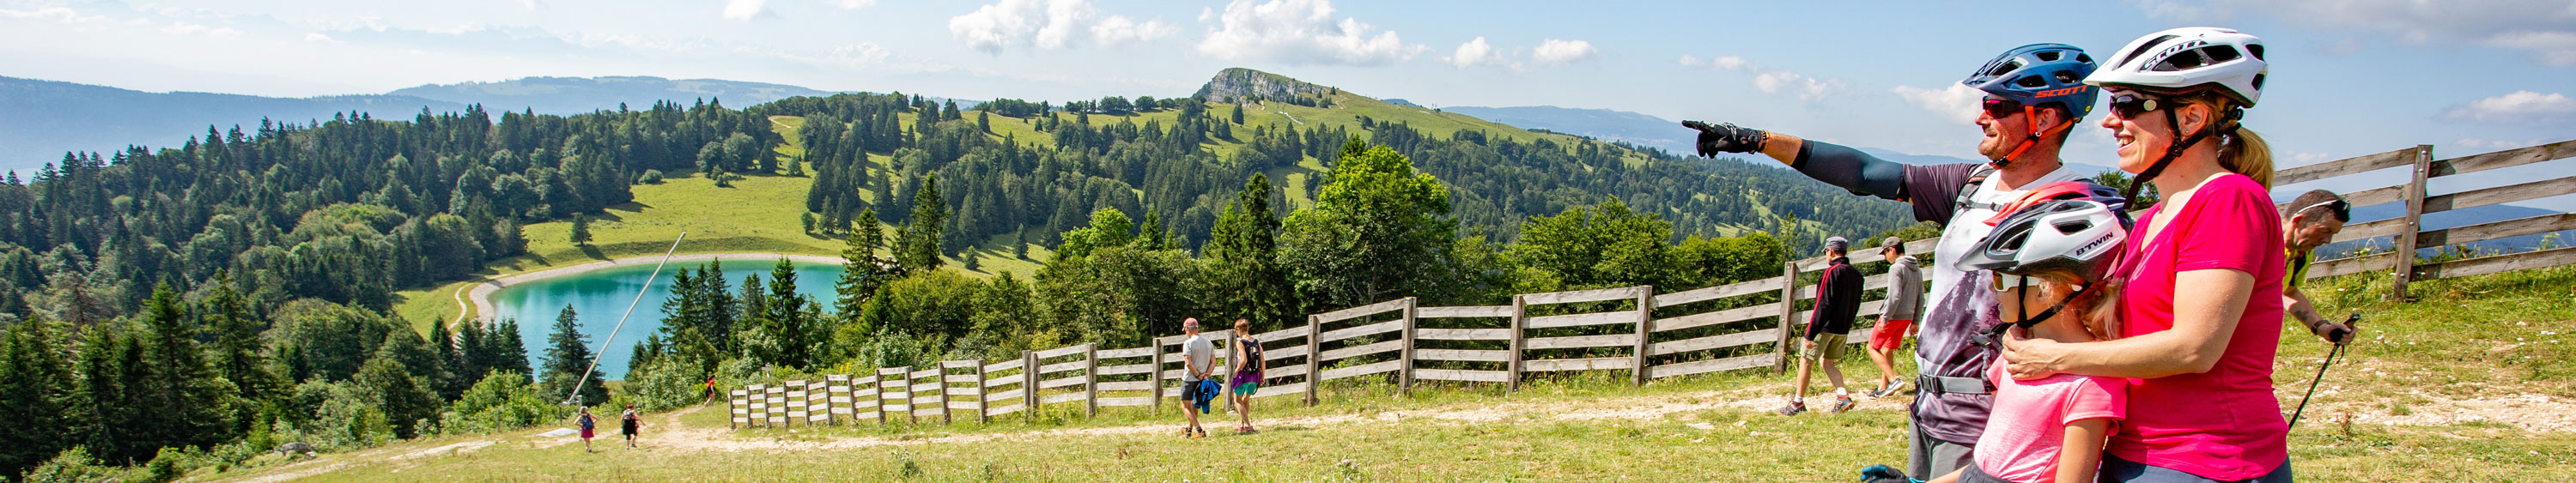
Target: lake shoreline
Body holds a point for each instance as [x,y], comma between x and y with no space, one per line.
[481,295]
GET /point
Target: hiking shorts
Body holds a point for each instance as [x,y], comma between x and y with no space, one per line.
[1247,387]
[1889,334]
[1828,347]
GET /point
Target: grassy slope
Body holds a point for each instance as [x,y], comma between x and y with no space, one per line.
[2477,339]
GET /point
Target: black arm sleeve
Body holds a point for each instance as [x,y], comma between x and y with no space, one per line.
[1852,170]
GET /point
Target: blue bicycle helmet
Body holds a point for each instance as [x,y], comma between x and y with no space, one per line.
[2038,75]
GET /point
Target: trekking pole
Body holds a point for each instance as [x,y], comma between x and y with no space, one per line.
[578,382]
[2321,372]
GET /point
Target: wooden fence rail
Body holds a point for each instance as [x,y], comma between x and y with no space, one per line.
[1650,335]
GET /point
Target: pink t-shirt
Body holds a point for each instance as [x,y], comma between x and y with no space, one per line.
[2223,424]
[2027,427]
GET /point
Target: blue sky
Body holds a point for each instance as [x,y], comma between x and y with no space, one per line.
[2350,77]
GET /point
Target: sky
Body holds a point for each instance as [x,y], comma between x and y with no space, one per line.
[2348,77]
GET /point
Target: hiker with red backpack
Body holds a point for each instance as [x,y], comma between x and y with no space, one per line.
[2034,95]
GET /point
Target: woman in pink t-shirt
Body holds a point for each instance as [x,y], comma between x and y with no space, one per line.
[2200,308]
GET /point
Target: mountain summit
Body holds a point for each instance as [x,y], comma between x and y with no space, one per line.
[1237,85]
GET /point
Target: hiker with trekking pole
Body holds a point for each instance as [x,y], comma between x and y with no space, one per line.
[2035,95]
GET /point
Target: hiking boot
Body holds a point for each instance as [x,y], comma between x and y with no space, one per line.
[1843,403]
[1793,408]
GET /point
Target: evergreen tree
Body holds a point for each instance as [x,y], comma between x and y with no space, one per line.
[786,311]
[442,345]
[237,349]
[568,356]
[1243,255]
[475,353]
[406,400]
[580,230]
[183,402]
[862,270]
[1237,117]
[509,350]
[35,385]
[919,247]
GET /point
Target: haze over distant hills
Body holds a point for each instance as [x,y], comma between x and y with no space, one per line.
[42,119]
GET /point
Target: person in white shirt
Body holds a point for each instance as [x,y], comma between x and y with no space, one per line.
[1200,357]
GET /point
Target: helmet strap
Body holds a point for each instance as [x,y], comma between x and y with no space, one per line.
[2173,120]
[2032,139]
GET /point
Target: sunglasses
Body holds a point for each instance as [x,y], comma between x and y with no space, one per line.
[2130,106]
[2341,209]
[2005,283]
[2001,108]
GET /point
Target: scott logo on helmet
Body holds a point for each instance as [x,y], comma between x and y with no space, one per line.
[2169,51]
[2062,92]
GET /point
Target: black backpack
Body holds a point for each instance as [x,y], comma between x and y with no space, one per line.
[1251,355]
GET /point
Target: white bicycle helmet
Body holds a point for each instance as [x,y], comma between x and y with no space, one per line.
[2187,57]
[2080,236]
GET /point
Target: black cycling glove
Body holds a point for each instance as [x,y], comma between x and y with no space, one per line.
[1726,138]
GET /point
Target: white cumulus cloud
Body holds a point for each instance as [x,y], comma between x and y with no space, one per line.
[1048,24]
[1476,53]
[1561,52]
[2517,108]
[744,9]
[1956,103]
[1299,32]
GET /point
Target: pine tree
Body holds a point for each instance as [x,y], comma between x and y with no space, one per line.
[918,251]
[35,385]
[568,356]
[580,230]
[474,352]
[509,350]
[442,345]
[182,397]
[787,312]
[237,348]
[862,270]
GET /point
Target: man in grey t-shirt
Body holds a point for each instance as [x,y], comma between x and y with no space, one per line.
[1200,357]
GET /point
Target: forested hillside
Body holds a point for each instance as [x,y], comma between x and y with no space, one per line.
[233,292]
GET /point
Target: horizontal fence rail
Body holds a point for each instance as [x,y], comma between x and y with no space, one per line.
[1635,329]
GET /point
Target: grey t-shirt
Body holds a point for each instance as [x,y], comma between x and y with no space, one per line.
[1200,355]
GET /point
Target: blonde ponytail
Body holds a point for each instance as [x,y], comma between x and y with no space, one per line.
[2245,153]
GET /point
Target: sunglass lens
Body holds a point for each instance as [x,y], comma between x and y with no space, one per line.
[2001,107]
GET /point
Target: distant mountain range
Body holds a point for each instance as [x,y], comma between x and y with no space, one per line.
[40,119]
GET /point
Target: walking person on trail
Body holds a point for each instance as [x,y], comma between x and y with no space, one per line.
[629,424]
[1198,385]
[1828,327]
[2200,308]
[586,423]
[1247,363]
[1896,317]
[2313,220]
[2034,94]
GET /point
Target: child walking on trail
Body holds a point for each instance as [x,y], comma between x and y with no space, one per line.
[628,424]
[1247,373]
[2044,259]
[586,424]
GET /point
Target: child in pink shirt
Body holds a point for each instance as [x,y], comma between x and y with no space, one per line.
[2049,429]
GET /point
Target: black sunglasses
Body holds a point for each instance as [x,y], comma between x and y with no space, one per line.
[2000,108]
[2342,210]
[2130,106]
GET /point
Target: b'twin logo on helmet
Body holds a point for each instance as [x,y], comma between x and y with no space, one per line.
[2097,246]
[2169,51]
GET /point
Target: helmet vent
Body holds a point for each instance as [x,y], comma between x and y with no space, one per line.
[2074,226]
[2088,58]
[2256,50]
[2031,81]
[2047,56]
[2258,80]
[2219,54]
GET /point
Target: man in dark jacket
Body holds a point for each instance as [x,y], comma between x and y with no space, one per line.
[1837,301]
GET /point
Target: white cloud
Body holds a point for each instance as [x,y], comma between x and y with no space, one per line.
[744,9]
[2307,158]
[1300,32]
[853,4]
[1048,24]
[1773,81]
[318,37]
[2544,28]
[185,28]
[1119,30]
[1956,103]
[1475,53]
[2518,107]
[1561,52]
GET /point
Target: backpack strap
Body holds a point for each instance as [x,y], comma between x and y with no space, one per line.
[1967,199]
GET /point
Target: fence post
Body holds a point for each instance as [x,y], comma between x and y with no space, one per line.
[1645,333]
[1520,323]
[1155,360]
[2404,264]
[1090,380]
[1029,383]
[1788,314]
[1404,373]
[733,413]
[983,400]
[1314,357]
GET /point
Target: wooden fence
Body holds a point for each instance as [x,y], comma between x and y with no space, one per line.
[1634,329]
[2406,230]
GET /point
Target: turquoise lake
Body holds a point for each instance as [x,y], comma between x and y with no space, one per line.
[598,297]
